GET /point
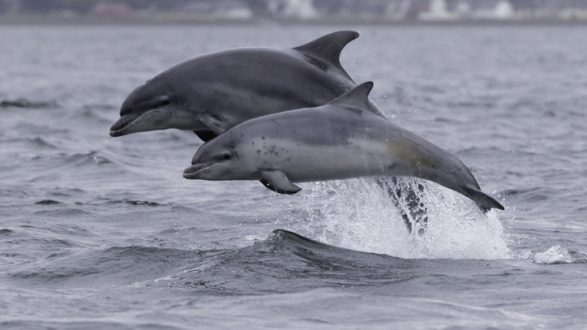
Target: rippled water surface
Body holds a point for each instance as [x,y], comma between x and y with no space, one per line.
[103,233]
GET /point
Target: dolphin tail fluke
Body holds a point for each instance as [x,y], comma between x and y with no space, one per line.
[328,48]
[484,201]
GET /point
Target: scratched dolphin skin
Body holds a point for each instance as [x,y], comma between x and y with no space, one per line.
[343,139]
[214,92]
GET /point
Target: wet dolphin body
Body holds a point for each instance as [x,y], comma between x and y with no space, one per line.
[214,92]
[343,139]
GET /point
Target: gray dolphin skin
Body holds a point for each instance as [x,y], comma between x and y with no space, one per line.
[343,139]
[214,92]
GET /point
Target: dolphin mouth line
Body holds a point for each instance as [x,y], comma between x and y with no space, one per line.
[122,123]
[126,122]
[193,171]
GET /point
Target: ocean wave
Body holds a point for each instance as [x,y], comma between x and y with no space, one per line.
[76,163]
[85,324]
[558,255]
[83,158]
[475,151]
[287,262]
[109,200]
[6,231]
[135,202]
[13,192]
[92,157]
[47,202]
[282,262]
[64,193]
[27,104]
[530,194]
[94,113]
[63,212]
[32,141]
[106,267]
[23,247]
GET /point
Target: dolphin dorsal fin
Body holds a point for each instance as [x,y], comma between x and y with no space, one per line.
[328,48]
[357,98]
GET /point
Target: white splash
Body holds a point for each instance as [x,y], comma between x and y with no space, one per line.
[554,255]
[358,214]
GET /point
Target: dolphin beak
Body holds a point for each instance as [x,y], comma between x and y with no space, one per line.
[194,171]
[149,112]
[118,129]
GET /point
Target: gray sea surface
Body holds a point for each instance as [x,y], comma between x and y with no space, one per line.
[104,233]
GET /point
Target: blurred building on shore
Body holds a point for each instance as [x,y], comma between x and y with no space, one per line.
[304,10]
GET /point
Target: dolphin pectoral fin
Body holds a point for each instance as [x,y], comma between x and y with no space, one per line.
[484,201]
[205,135]
[213,123]
[328,48]
[278,182]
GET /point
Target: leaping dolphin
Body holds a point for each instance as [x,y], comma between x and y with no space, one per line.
[345,138]
[212,93]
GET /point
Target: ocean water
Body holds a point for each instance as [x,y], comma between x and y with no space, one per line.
[104,233]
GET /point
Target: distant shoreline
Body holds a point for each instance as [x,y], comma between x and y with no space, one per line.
[26,20]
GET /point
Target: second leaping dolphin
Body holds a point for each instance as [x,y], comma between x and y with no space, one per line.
[343,139]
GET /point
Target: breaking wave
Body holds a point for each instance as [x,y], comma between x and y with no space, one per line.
[559,255]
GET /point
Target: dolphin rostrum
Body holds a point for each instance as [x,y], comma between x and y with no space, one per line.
[345,138]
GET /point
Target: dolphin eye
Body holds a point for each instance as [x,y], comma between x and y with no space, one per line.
[164,100]
[224,156]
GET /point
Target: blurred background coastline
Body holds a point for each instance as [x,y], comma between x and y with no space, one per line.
[293,11]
